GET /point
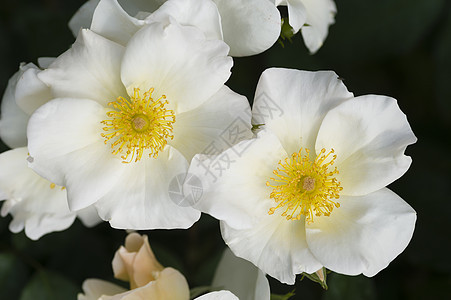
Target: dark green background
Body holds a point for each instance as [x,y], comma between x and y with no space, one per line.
[398,48]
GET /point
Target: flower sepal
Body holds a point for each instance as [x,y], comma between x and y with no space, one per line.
[319,276]
[286,32]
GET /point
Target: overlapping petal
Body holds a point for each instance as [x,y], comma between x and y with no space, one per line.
[183,65]
[297,13]
[140,199]
[277,246]
[13,120]
[293,103]
[320,15]
[83,17]
[234,181]
[35,204]
[94,289]
[206,13]
[364,235]
[67,149]
[90,69]
[217,124]
[249,27]
[30,92]
[111,21]
[135,262]
[369,134]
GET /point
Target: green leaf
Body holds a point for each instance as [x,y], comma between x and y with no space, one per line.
[350,288]
[13,276]
[282,297]
[46,285]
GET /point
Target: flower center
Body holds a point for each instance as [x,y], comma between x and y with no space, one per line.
[305,187]
[138,124]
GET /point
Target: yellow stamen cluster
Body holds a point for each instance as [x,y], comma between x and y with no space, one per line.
[305,187]
[138,124]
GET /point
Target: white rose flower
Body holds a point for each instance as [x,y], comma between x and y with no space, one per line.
[171,103]
[312,17]
[310,190]
[248,27]
[36,204]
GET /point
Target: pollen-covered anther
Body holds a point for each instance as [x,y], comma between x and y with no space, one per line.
[305,187]
[138,124]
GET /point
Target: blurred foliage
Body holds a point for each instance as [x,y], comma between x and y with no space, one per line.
[399,48]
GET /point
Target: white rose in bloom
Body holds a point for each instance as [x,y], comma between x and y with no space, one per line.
[248,27]
[310,191]
[128,120]
[312,17]
[35,203]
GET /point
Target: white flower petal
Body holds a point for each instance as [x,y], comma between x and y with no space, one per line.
[140,199]
[369,135]
[249,27]
[111,21]
[320,15]
[206,14]
[95,288]
[221,122]
[234,182]
[364,235]
[30,91]
[13,121]
[219,295]
[275,245]
[90,69]
[83,17]
[176,61]
[66,147]
[31,200]
[89,216]
[241,277]
[170,284]
[45,62]
[297,14]
[36,226]
[293,103]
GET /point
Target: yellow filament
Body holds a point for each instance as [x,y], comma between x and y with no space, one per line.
[52,186]
[305,187]
[138,124]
